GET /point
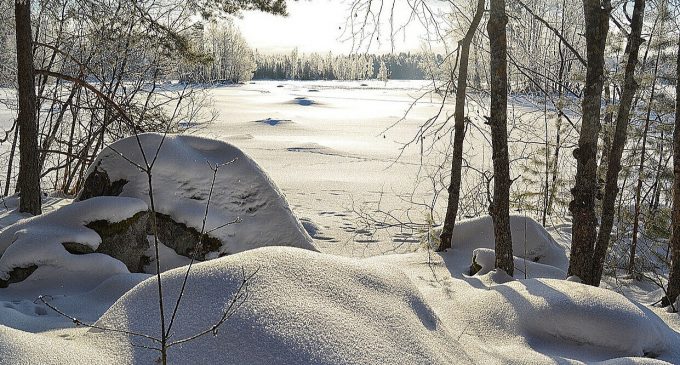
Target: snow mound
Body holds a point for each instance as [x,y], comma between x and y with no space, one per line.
[303,308]
[304,101]
[529,240]
[182,177]
[485,259]
[560,310]
[38,241]
[22,348]
[85,297]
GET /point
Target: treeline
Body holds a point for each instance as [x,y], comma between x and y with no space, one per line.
[314,66]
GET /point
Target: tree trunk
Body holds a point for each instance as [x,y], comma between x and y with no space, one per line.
[641,169]
[582,207]
[10,162]
[500,207]
[674,277]
[459,134]
[28,183]
[611,189]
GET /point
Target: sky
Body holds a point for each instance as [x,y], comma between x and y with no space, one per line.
[318,26]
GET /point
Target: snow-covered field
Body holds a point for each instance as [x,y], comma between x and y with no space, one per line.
[324,145]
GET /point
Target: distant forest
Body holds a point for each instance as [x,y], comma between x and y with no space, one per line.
[294,66]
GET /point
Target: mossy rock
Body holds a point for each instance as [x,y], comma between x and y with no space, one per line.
[125,241]
[178,236]
[182,238]
[98,183]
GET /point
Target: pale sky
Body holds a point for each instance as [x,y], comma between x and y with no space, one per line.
[317,26]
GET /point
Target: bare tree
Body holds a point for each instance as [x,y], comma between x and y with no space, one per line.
[29,175]
[498,120]
[582,207]
[459,128]
[611,191]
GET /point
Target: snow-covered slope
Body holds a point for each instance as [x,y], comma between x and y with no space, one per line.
[37,241]
[182,176]
[303,308]
[499,320]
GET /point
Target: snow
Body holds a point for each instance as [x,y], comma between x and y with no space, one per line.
[182,176]
[38,240]
[485,258]
[329,158]
[303,308]
[506,321]
[529,240]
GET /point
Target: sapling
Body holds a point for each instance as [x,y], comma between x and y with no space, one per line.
[162,343]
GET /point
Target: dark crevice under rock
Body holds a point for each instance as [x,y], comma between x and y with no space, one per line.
[76,248]
[18,274]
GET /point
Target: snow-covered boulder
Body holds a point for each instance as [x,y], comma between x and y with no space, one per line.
[302,308]
[484,261]
[182,177]
[529,240]
[79,237]
[564,312]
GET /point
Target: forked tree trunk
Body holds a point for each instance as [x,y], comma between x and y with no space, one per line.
[459,133]
[674,277]
[582,207]
[28,183]
[611,189]
[500,207]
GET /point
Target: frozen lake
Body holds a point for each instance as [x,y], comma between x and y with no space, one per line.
[336,149]
[326,146]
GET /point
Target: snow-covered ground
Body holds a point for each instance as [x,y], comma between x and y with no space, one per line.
[324,145]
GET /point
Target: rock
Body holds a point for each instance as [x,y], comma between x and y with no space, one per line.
[182,177]
[125,241]
[17,275]
[105,234]
[183,239]
[99,184]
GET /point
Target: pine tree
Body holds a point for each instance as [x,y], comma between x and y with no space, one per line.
[383,72]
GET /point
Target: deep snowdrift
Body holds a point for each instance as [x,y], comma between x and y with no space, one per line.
[529,240]
[310,308]
[303,308]
[498,320]
[182,177]
[37,241]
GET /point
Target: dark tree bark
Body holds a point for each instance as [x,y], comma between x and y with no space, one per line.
[582,207]
[28,183]
[611,189]
[500,207]
[459,134]
[674,277]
